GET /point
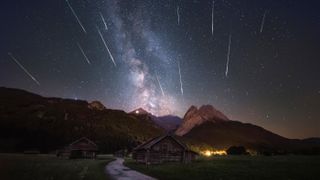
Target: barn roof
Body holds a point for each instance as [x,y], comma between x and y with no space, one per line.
[78,145]
[148,144]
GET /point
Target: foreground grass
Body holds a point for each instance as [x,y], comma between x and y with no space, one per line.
[49,167]
[242,167]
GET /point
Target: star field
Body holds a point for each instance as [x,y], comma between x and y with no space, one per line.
[256,61]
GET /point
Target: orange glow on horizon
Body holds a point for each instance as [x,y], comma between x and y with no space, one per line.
[209,153]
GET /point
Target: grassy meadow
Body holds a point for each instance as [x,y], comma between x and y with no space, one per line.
[237,167]
[49,167]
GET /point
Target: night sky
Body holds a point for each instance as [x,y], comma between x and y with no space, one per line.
[258,62]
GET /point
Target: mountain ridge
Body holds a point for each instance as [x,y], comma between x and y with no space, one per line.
[28,120]
[195,116]
[169,122]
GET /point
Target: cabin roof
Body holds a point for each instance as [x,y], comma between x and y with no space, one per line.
[151,142]
[77,145]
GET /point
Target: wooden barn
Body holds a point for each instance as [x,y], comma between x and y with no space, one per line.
[161,149]
[81,148]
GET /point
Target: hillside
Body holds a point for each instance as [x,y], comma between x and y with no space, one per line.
[30,121]
[168,122]
[229,133]
[207,126]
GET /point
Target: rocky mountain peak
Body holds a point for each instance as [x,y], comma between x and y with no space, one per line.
[208,112]
[192,110]
[195,117]
[97,105]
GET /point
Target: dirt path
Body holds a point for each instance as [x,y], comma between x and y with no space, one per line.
[118,171]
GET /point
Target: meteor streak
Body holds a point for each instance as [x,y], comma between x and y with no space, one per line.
[178,14]
[263,19]
[160,85]
[104,21]
[23,68]
[84,54]
[228,55]
[181,85]
[106,46]
[75,15]
[212,17]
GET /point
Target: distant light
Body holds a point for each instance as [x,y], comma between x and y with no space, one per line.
[209,153]
[220,152]
[137,112]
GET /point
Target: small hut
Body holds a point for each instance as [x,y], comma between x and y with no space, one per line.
[81,148]
[161,149]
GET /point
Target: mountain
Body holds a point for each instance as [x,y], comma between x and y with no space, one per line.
[195,117]
[96,105]
[208,126]
[167,122]
[140,111]
[230,133]
[30,121]
[313,140]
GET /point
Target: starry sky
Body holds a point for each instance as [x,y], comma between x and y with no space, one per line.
[256,61]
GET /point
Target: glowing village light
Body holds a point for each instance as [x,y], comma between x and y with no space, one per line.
[219,152]
[209,153]
[137,111]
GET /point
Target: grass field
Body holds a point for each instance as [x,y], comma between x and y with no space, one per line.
[49,167]
[241,167]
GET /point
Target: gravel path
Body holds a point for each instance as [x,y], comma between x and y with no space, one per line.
[118,171]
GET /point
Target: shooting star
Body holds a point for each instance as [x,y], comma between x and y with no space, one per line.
[263,19]
[228,56]
[84,54]
[75,15]
[178,15]
[160,84]
[181,85]
[104,21]
[212,17]
[106,46]
[23,68]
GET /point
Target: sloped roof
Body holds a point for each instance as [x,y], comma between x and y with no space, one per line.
[77,145]
[151,142]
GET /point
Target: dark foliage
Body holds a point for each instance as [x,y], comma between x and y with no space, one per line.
[32,122]
[236,150]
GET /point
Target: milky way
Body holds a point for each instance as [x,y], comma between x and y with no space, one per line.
[143,90]
[127,54]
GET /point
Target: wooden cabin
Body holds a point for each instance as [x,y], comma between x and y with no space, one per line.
[81,148]
[161,149]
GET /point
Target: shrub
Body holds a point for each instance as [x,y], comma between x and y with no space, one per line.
[236,150]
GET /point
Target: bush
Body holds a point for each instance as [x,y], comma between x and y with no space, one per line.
[237,150]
